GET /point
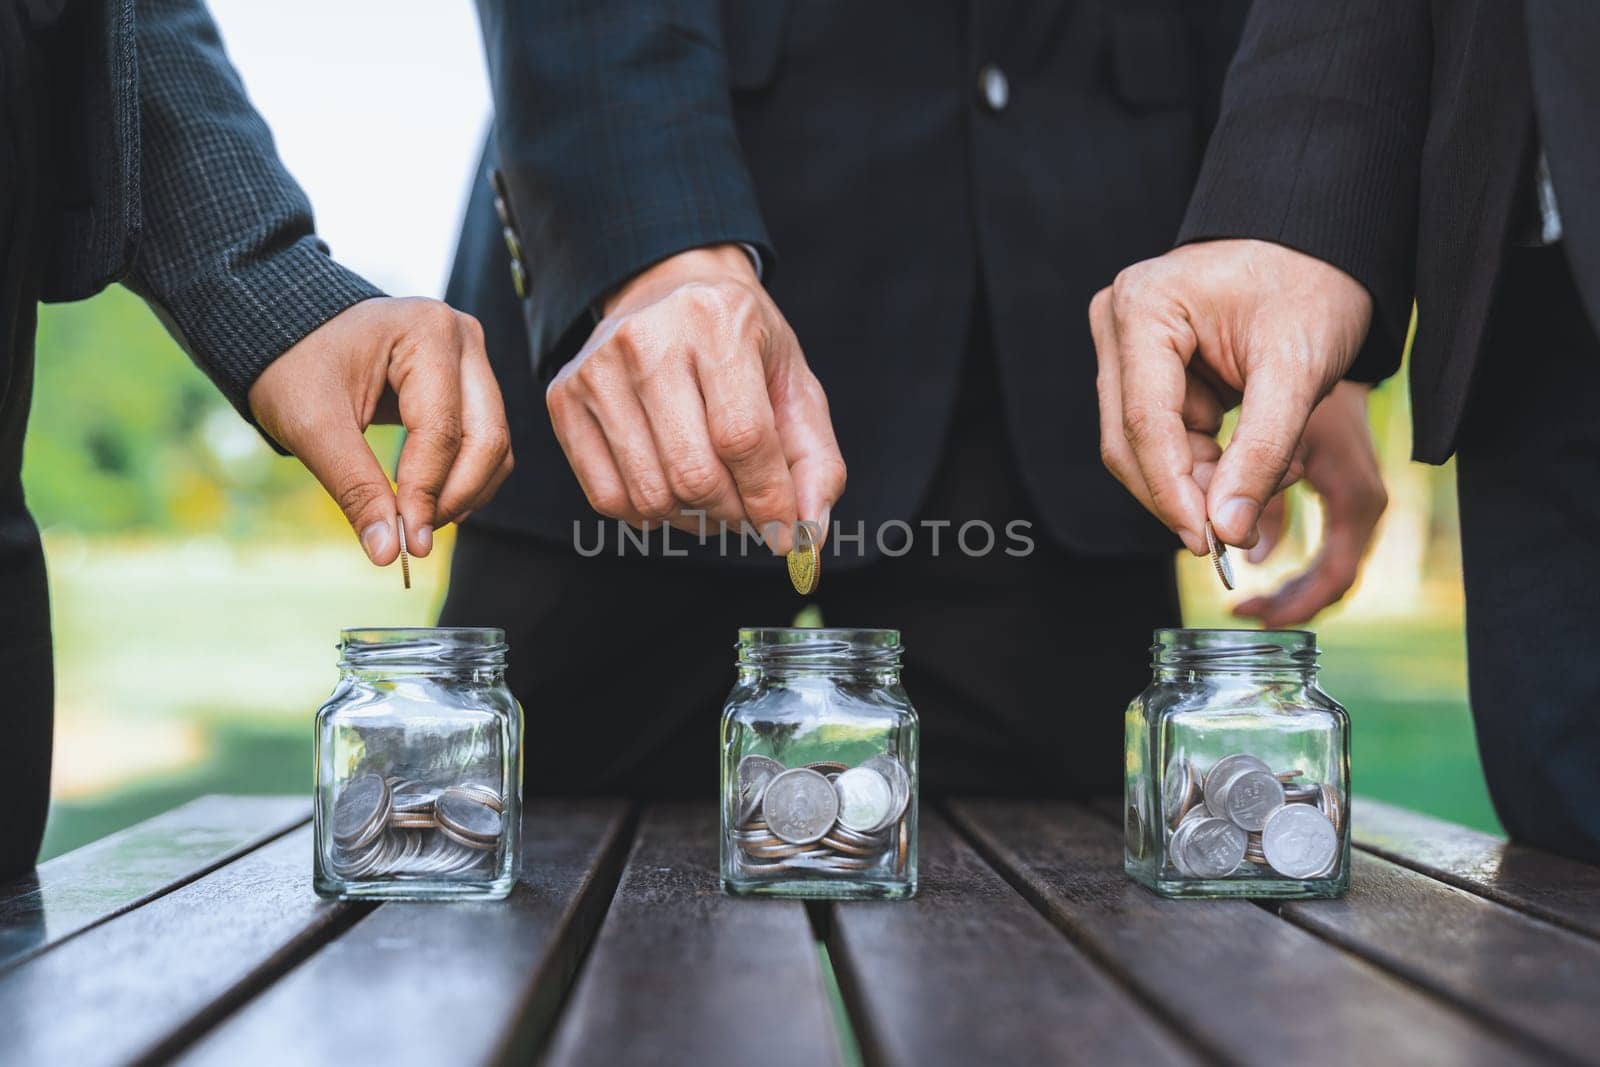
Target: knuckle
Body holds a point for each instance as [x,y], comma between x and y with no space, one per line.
[651,498]
[473,327]
[495,440]
[698,481]
[1140,424]
[739,439]
[609,501]
[356,499]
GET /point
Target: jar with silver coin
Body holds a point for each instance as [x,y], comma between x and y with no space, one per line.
[819,767]
[419,768]
[1238,769]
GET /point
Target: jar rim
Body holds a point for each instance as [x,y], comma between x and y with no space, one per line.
[407,647]
[1228,647]
[821,647]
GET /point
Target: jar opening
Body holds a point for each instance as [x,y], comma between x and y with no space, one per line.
[819,648]
[411,647]
[1234,649]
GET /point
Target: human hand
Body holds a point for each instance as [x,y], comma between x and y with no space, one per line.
[1342,467]
[1182,337]
[692,395]
[413,361]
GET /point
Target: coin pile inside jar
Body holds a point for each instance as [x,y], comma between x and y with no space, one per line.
[397,828]
[822,817]
[1241,811]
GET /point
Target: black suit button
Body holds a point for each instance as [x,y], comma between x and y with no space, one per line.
[994,88]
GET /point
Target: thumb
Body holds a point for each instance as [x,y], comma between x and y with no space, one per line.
[342,461]
[1272,419]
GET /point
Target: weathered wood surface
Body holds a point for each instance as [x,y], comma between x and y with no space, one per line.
[683,974]
[89,885]
[461,983]
[1560,890]
[969,972]
[141,985]
[1026,944]
[1525,975]
[1246,985]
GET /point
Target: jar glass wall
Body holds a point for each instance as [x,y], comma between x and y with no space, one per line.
[819,767]
[419,768]
[1237,769]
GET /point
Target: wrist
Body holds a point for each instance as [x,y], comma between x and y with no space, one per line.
[713,262]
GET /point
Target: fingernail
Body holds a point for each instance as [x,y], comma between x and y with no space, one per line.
[424,540]
[1259,553]
[376,539]
[822,521]
[1193,542]
[1237,514]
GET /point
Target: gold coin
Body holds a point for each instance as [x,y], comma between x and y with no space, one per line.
[805,561]
[405,557]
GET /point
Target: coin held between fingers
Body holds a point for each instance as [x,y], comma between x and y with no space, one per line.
[1219,558]
[405,557]
[805,560]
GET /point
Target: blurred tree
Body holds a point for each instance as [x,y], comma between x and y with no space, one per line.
[128,436]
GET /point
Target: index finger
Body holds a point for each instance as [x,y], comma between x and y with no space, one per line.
[744,434]
[429,397]
[1154,384]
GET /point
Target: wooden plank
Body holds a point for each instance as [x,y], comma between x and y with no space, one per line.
[1554,888]
[1245,985]
[1525,975]
[456,983]
[968,972]
[73,892]
[142,984]
[683,974]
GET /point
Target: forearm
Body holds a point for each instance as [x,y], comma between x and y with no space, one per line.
[617,142]
[228,253]
[1319,147]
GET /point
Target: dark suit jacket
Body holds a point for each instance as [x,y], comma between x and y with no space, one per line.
[1396,140]
[163,176]
[851,143]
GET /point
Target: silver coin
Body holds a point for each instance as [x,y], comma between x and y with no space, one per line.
[467,816]
[1199,811]
[487,794]
[1225,768]
[411,802]
[1213,847]
[1180,789]
[800,805]
[1299,841]
[1133,832]
[1219,558]
[1301,794]
[899,778]
[1329,804]
[1175,847]
[360,810]
[866,799]
[1250,797]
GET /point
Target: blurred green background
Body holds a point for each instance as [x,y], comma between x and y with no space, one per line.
[200,582]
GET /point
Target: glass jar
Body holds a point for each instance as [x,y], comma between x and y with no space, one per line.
[419,768]
[819,767]
[1238,769]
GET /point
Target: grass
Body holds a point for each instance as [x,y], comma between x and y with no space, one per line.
[186,669]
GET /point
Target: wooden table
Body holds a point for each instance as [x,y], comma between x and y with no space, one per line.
[196,936]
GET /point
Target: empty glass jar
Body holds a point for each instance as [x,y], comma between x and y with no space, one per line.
[419,768]
[819,767]
[1238,769]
